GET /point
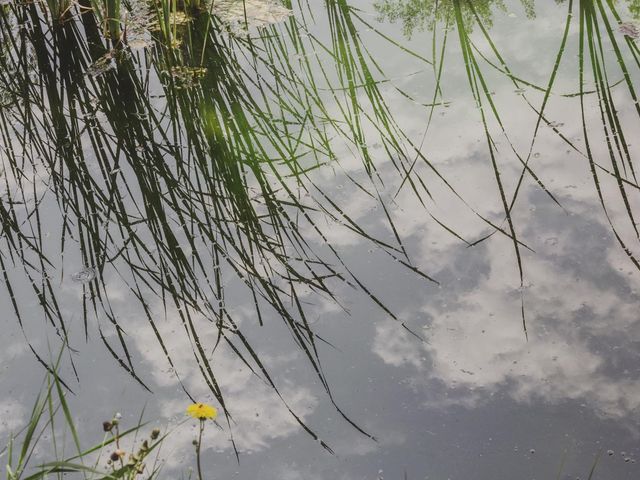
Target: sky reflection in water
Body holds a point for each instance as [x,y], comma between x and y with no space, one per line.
[461,392]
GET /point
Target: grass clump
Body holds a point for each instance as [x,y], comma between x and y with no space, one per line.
[51,420]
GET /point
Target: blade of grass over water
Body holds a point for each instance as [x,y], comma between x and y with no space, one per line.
[186,175]
[590,48]
[479,89]
[190,170]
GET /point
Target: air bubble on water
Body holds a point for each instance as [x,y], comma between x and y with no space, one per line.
[532,451]
[610,452]
[85,275]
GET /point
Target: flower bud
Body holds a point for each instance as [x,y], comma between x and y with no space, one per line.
[107,426]
[117,455]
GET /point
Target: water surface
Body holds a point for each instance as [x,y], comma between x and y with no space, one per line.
[386,243]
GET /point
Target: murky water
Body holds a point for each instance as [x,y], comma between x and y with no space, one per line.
[386,243]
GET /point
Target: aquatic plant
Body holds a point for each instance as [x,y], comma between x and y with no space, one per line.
[179,204]
[51,423]
[183,170]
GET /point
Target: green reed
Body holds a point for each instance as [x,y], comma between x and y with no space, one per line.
[198,177]
[207,179]
[51,422]
[112,19]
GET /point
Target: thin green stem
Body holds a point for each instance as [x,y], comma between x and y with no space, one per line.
[198,449]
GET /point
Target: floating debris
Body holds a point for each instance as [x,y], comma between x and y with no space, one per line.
[85,275]
[138,43]
[138,22]
[241,15]
[629,29]
[177,19]
[102,64]
[186,77]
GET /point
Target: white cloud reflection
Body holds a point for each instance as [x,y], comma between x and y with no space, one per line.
[583,322]
[581,291]
[259,416]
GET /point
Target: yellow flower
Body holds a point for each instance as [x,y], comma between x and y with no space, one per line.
[202,411]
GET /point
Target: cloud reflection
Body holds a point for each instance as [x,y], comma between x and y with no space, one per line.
[582,315]
[258,415]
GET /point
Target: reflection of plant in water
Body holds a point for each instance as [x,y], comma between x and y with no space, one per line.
[481,54]
[418,14]
[185,168]
[183,184]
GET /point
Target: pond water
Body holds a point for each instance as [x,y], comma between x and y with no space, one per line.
[386,239]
